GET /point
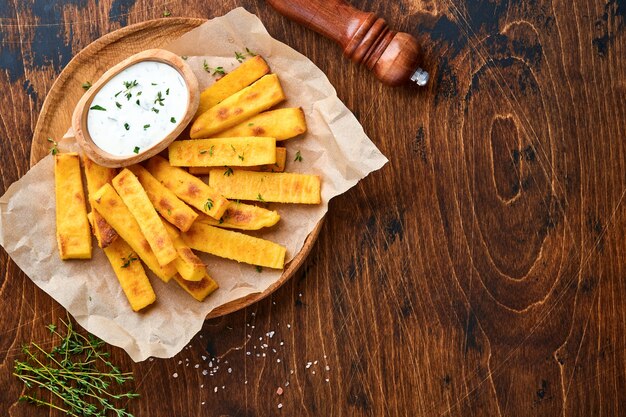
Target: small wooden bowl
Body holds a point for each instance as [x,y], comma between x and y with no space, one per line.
[79,117]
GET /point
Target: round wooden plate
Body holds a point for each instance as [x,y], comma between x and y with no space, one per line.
[93,61]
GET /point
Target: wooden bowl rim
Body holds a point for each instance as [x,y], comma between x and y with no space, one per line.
[103,42]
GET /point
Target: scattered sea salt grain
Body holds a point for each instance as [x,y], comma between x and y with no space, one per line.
[253,314]
[196,366]
[315,363]
[202,386]
[264,355]
[179,362]
[313,372]
[203,357]
[308,365]
[215,389]
[202,403]
[230,370]
[278,360]
[288,326]
[271,334]
[287,383]
[282,343]
[150,359]
[248,353]
[245,382]
[327,379]
[205,372]
[175,375]
[279,391]
[280,405]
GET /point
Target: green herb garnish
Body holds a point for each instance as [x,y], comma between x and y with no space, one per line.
[155,110]
[240,157]
[173,119]
[86,85]
[211,150]
[239,56]
[202,152]
[53,150]
[228,172]
[130,258]
[136,150]
[167,92]
[118,93]
[184,57]
[208,205]
[159,99]
[74,377]
[145,127]
[97,107]
[298,157]
[166,13]
[138,103]
[119,106]
[126,126]
[259,269]
[260,198]
[219,70]
[250,52]
[206,67]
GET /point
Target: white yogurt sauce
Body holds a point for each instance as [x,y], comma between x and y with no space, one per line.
[137,108]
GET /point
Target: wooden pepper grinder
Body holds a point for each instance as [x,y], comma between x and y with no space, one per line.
[364,37]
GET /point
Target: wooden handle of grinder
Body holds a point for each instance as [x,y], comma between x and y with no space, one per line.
[364,37]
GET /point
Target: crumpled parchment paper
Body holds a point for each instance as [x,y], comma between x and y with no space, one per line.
[335,147]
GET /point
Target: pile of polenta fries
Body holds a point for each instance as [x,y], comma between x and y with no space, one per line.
[160,212]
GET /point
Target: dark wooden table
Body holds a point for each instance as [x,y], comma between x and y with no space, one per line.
[481,272]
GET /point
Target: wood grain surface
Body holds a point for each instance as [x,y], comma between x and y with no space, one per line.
[480,273]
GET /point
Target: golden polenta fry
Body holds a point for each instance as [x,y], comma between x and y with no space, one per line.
[104,233]
[97,176]
[242,105]
[188,188]
[198,289]
[235,246]
[250,151]
[244,217]
[188,265]
[72,225]
[165,201]
[130,274]
[283,187]
[134,196]
[239,78]
[281,124]
[110,205]
[278,166]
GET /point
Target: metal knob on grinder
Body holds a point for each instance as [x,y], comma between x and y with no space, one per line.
[364,37]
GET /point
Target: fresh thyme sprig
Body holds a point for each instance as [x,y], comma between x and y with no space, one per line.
[75,377]
[53,149]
